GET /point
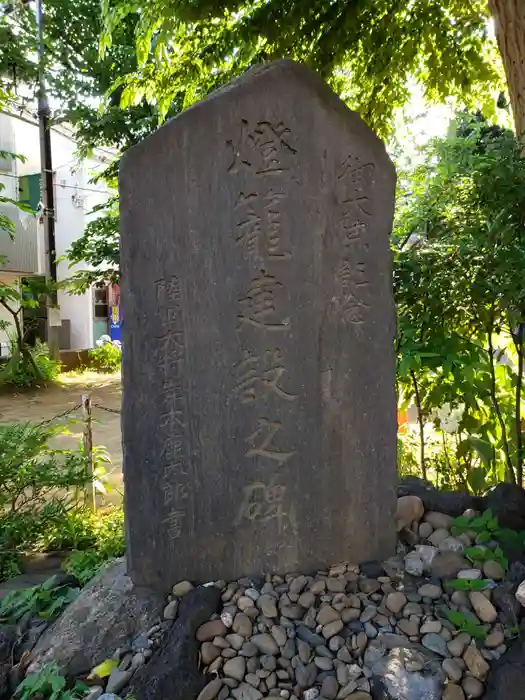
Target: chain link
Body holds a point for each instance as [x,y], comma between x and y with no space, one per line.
[61,415]
[103,408]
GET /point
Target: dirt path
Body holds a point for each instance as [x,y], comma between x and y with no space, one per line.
[44,404]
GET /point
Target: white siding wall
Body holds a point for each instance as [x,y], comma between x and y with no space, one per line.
[74,199]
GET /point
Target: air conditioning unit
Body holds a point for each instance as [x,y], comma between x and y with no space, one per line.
[78,200]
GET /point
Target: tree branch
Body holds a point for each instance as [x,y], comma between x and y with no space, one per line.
[493,395]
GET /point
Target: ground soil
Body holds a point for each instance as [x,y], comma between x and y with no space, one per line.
[45,403]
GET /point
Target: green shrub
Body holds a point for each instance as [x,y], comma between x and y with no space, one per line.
[48,684]
[24,375]
[45,601]
[103,541]
[40,488]
[107,356]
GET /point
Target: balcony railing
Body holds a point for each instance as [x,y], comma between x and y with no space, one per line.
[23,253]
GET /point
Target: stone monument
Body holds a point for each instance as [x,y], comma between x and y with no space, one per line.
[259,415]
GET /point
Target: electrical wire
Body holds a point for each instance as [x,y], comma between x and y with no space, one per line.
[58,184]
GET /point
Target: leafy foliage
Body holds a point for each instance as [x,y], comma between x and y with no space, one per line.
[45,601]
[40,486]
[107,356]
[459,236]
[104,540]
[480,555]
[467,622]
[24,374]
[467,584]
[367,50]
[25,366]
[49,684]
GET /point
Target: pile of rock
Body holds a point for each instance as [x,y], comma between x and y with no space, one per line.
[352,632]
[346,632]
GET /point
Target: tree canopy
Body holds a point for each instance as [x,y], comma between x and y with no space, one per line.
[459,240]
[369,50]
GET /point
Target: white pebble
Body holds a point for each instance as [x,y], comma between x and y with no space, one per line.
[227,619]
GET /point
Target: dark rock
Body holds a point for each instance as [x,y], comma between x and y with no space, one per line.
[173,671]
[506,678]
[392,681]
[31,634]
[507,502]
[446,565]
[452,503]
[4,680]
[314,640]
[372,569]
[109,612]
[503,597]
[8,638]
[234,192]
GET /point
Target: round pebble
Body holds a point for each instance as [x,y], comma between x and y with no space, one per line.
[493,570]
[472,687]
[483,607]
[439,520]
[170,611]
[181,588]
[430,590]
[395,602]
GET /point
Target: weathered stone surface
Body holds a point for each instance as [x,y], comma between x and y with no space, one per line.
[173,671]
[410,509]
[452,503]
[507,502]
[446,565]
[108,612]
[8,639]
[507,675]
[476,664]
[255,230]
[483,607]
[392,679]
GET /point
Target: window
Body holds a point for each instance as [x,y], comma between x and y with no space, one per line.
[100,301]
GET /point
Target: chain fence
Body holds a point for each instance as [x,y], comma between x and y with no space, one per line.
[86,406]
[77,407]
[105,408]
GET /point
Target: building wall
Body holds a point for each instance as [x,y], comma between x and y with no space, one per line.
[9,278]
[75,197]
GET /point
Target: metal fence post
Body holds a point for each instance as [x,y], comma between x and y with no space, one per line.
[88,451]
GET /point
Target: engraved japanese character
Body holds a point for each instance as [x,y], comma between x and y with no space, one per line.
[263,149]
[352,275]
[355,181]
[265,502]
[172,417]
[358,176]
[259,226]
[168,289]
[276,248]
[170,349]
[248,225]
[274,373]
[175,492]
[173,448]
[354,231]
[272,144]
[174,521]
[261,442]
[353,309]
[254,375]
[258,307]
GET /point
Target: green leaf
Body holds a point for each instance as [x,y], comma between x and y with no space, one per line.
[466,584]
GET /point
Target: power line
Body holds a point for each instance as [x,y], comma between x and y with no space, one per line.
[58,184]
[61,129]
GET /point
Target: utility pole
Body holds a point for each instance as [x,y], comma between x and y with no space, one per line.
[48,192]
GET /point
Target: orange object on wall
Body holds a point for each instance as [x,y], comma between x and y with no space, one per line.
[402,421]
